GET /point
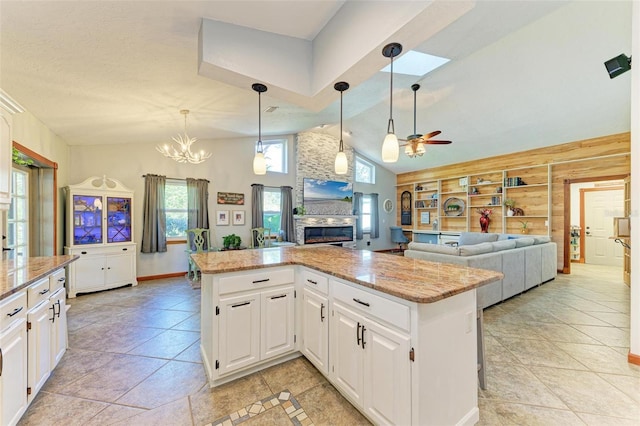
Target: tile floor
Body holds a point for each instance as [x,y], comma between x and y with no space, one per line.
[555,355]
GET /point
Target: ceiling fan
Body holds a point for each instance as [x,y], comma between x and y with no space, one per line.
[415,143]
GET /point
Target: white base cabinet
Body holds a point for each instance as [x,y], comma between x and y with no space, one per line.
[101,268]
[315,329]
[39,341]
[13,355]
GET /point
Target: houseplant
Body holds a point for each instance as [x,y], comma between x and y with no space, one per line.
[231,241]
[509,204]
[524,229]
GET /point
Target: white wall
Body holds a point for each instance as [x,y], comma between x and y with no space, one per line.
[634,331]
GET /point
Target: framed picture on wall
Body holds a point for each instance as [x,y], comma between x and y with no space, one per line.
[425,218]
[222,217]
[237,217]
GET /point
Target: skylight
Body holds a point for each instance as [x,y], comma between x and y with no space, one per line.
[416,63]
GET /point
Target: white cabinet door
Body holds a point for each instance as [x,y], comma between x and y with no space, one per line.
[120,269]
[88,273]
[347,353]
[13,378]
[387,375]
[39,346]
[6,146]
[58,326]
[239,344]
[315,329]
[277,314]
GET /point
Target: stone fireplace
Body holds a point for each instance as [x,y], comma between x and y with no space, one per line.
[338,230]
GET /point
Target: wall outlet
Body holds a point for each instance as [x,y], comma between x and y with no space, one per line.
[368,243]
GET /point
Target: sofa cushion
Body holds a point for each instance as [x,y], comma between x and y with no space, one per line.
[473,249]
[503,245]
[433,248]
[541,240]
[524,242]
[469,238]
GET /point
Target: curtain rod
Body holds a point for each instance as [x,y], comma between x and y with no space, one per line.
[273,187]
[172,178]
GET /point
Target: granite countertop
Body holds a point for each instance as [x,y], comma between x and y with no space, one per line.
[17,274]
[410,279]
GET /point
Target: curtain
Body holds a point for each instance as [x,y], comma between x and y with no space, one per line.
[197,203]
[375,226]
[154,223]
[286,214]
[257,196]
[357,211]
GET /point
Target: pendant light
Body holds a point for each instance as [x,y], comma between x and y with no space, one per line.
[390,147]
[341,164]
[259,162]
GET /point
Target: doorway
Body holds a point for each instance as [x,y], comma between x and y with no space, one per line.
[598,207]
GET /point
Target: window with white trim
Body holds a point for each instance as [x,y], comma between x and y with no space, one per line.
[18,216]
[365,171]
[366,213]
[275,152]
[271,210]
[175,204]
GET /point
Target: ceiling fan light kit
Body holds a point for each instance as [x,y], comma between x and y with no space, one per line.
[415,146]
[390,147]
[259,162]
[341,163]
[184,153]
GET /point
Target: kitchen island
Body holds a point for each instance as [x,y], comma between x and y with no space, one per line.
[396,336]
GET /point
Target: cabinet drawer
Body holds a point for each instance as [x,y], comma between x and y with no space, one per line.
[315,281]
[387,310]
[256,280]
[38,292]
[57,280]
[12,309]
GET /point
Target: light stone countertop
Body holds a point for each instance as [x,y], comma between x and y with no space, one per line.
[410,279]
[17,274]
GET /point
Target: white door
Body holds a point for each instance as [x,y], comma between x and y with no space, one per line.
[347,353]
[13,380]
[120,269]
[315,330]
[58,326]
[89,272]
[239,343]
[277,313]
[39,346]
[600,207]
[387,375]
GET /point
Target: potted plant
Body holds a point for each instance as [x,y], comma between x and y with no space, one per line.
[509,204]
[524,229]
[231,241]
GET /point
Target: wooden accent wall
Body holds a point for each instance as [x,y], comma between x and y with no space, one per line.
[591,158]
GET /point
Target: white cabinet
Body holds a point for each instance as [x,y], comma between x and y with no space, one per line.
[256,316]
[13,358]
[58,326]
[99,223]
[315,329]
[370,361]
[101,268]
[39,343]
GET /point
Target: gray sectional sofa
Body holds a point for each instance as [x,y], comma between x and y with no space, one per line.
[525,261]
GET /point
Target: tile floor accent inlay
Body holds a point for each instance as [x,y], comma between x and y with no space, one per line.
[282,399]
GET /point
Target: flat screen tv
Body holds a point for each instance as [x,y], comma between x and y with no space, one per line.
[327,197]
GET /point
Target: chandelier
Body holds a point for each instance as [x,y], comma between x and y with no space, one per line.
[183,154]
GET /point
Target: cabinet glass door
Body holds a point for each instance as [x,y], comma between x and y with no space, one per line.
[87,219]
[118,219]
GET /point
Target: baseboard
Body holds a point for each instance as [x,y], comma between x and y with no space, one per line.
[161,276]
[633,359]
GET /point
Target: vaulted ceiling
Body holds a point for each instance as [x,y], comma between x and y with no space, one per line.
[521,75]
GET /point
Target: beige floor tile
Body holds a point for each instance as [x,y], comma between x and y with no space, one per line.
[273,416]
[190,324]
[191,354]
[616,319]
[601,359]
[596,420]
[563,333]
[174,413]
[112,337]
[173,380]
[167,344]
[611,336]
[576,317]
[529,415]
[629,385]
[539,352]
[112,380]
[49,409]
[297,375]
[75,364]
[112,414]
[325,406]
[157,318]
[496,353]
[209,404]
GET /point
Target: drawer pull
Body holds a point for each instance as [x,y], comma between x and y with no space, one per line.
[1,362]
[312,281]
[363,342]
[361,302]
[124,249]
[279,297]
[15,311]
[53,314]
[45,291]
[83,252]
[322,312]
[61,280]
[261,281]
[358,339]
[240,304]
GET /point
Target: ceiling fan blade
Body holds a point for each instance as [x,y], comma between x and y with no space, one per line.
[432,134]
[435,142]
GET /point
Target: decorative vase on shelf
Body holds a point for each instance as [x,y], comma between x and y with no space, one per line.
[509,212]
[484,223]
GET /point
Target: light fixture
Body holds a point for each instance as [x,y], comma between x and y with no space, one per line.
[341,165]
[415,146]
[618,65]
[259,162]
[183,154]
[390,147]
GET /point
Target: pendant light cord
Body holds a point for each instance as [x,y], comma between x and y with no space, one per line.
[259,122]
[390,126]
[414,112]
[341,149]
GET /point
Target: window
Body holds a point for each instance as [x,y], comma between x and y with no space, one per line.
[176,208]
[18,217]
[365,171]
[366,213]
[275,152]
[271,209]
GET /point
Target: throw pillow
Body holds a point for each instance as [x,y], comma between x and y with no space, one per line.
[524,242]
[474,249]
[504,245]
[541,240]
[433,248]
[469,238]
